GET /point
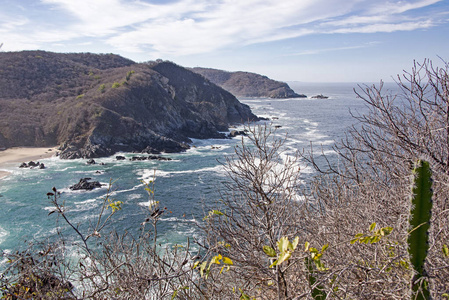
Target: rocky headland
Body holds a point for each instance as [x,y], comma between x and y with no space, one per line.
[95,105]
[246,84]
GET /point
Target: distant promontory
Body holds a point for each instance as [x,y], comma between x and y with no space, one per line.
[246,84]
[94,105]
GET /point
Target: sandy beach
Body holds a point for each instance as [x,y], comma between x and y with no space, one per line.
[24,154]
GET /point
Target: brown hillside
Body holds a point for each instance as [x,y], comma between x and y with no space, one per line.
[245,84]
[94,105]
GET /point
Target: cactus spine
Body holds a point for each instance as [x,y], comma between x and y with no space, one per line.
[419,225]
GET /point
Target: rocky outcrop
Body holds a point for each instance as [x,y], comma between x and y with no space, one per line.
[85,184]
[97,105]
[151,157]
[235,133]
[32,165]
[245,84]
[320,96]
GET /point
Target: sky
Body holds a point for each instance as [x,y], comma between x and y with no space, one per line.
[288,40]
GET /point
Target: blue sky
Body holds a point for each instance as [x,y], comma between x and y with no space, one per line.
[303,40]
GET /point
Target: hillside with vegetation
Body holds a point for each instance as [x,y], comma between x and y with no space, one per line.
[246,84]
[95,105]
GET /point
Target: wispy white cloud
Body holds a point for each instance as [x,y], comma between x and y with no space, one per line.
[324,50]
[198,26]
[386,27]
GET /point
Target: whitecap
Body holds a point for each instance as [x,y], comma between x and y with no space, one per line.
[147,204]
[3,234]
[134,196]
[86,201]
[179,220]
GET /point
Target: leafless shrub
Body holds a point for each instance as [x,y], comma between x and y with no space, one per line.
[372,183]
[367,192]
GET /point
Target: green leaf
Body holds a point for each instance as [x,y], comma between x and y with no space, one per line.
[446,250]
[202,268]
[227,261]
[374,239]
[269,251]
[365,240]
[386,230]
[353,241]
[306,246]
[324,247]
[313,250]
[175,293]
[283,244]
[213,212]
[244,296]
[283,257]
[372,226]
[215,260]
[295,243]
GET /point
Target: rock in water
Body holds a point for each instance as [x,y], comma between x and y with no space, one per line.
[85,184]
[235,133]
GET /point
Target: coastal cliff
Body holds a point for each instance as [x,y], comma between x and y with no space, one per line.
[246,84]
[95,105]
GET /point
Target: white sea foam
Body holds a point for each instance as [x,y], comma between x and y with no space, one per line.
[3,235]
[147,175]
[136,187]
[179,220]
[134,196]
[147,203]
[315,124]
[86,201]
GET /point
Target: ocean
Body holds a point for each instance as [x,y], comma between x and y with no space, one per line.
[188,184]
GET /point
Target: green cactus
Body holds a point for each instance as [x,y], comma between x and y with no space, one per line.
[318,292]
[419,224]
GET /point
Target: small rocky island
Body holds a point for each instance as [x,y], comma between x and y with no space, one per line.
[94,105]
[320,96]
[246,84]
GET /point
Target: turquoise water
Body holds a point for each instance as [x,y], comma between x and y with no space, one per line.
[185,185]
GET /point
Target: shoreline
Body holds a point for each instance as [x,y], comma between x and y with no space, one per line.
[23,154]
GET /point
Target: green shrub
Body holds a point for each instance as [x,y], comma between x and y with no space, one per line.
[102,88]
